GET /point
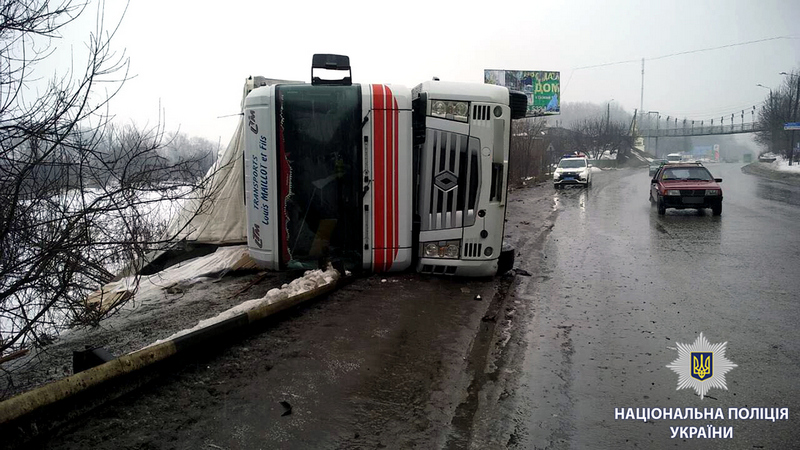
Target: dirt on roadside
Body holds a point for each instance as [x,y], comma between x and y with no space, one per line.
[134,327]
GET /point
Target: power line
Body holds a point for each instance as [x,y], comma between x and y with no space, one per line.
[707,49]
[687,52]
[721,47]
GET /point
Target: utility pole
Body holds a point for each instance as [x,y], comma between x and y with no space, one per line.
[771,108]
[794,112]
[641,97]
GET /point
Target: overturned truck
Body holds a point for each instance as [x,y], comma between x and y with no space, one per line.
[377,176]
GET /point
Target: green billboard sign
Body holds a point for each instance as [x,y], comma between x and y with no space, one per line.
[541,87]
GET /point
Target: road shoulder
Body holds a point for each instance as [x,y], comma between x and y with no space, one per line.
[766,171]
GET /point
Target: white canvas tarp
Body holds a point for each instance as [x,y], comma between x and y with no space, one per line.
[149,289]
[221,218]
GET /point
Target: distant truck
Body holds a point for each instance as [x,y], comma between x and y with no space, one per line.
[674,157]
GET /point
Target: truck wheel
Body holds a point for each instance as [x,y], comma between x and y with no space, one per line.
[717,210]
[662,208]
[506,260]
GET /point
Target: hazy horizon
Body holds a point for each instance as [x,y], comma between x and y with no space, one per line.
[193,60]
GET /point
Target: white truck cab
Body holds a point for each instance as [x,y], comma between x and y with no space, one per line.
[376,175]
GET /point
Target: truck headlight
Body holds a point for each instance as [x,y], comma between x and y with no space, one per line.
[450,110]
[451,251]
[431,250]
[712,191]
[439,109]
[673,192]
[442,249]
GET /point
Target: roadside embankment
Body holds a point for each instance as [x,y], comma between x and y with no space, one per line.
[767,171]
[313,284]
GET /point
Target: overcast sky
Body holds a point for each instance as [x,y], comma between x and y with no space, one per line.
[194,56]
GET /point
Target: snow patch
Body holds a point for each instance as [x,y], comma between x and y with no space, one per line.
[311,280]
[596,169]
[782,165]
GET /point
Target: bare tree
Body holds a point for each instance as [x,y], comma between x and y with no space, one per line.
[527,152]
[782,105]
[184,148]
[597,136]
[77,195]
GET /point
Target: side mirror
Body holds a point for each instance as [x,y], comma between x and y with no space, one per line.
[718,180]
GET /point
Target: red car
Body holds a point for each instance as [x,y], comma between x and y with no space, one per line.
[682,186]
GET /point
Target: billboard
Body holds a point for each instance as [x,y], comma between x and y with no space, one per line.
[703,150]
[541,87]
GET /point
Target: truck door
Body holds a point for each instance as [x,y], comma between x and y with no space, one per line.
[387,178]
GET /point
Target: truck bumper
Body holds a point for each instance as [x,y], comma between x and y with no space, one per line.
[458,267]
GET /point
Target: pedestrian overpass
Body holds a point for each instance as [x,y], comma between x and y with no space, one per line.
[700,130]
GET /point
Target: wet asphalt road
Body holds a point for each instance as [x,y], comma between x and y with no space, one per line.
[616,288]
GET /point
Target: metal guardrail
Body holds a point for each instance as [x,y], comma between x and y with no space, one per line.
[701,130]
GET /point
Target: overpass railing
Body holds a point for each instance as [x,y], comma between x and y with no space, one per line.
[698,130]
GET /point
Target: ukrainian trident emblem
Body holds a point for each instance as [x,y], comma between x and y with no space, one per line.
[702,365]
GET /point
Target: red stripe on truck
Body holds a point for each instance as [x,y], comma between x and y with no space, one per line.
[391,176]
[385,145]
[378,146]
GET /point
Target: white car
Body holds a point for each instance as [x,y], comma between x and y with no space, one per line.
[573,170]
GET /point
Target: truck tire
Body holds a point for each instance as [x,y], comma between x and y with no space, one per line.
[506,260]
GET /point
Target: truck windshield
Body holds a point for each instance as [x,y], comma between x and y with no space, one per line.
[319,129]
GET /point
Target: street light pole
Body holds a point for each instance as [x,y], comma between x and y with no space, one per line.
[772,141]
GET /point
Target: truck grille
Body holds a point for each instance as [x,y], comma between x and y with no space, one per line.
[449,192]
